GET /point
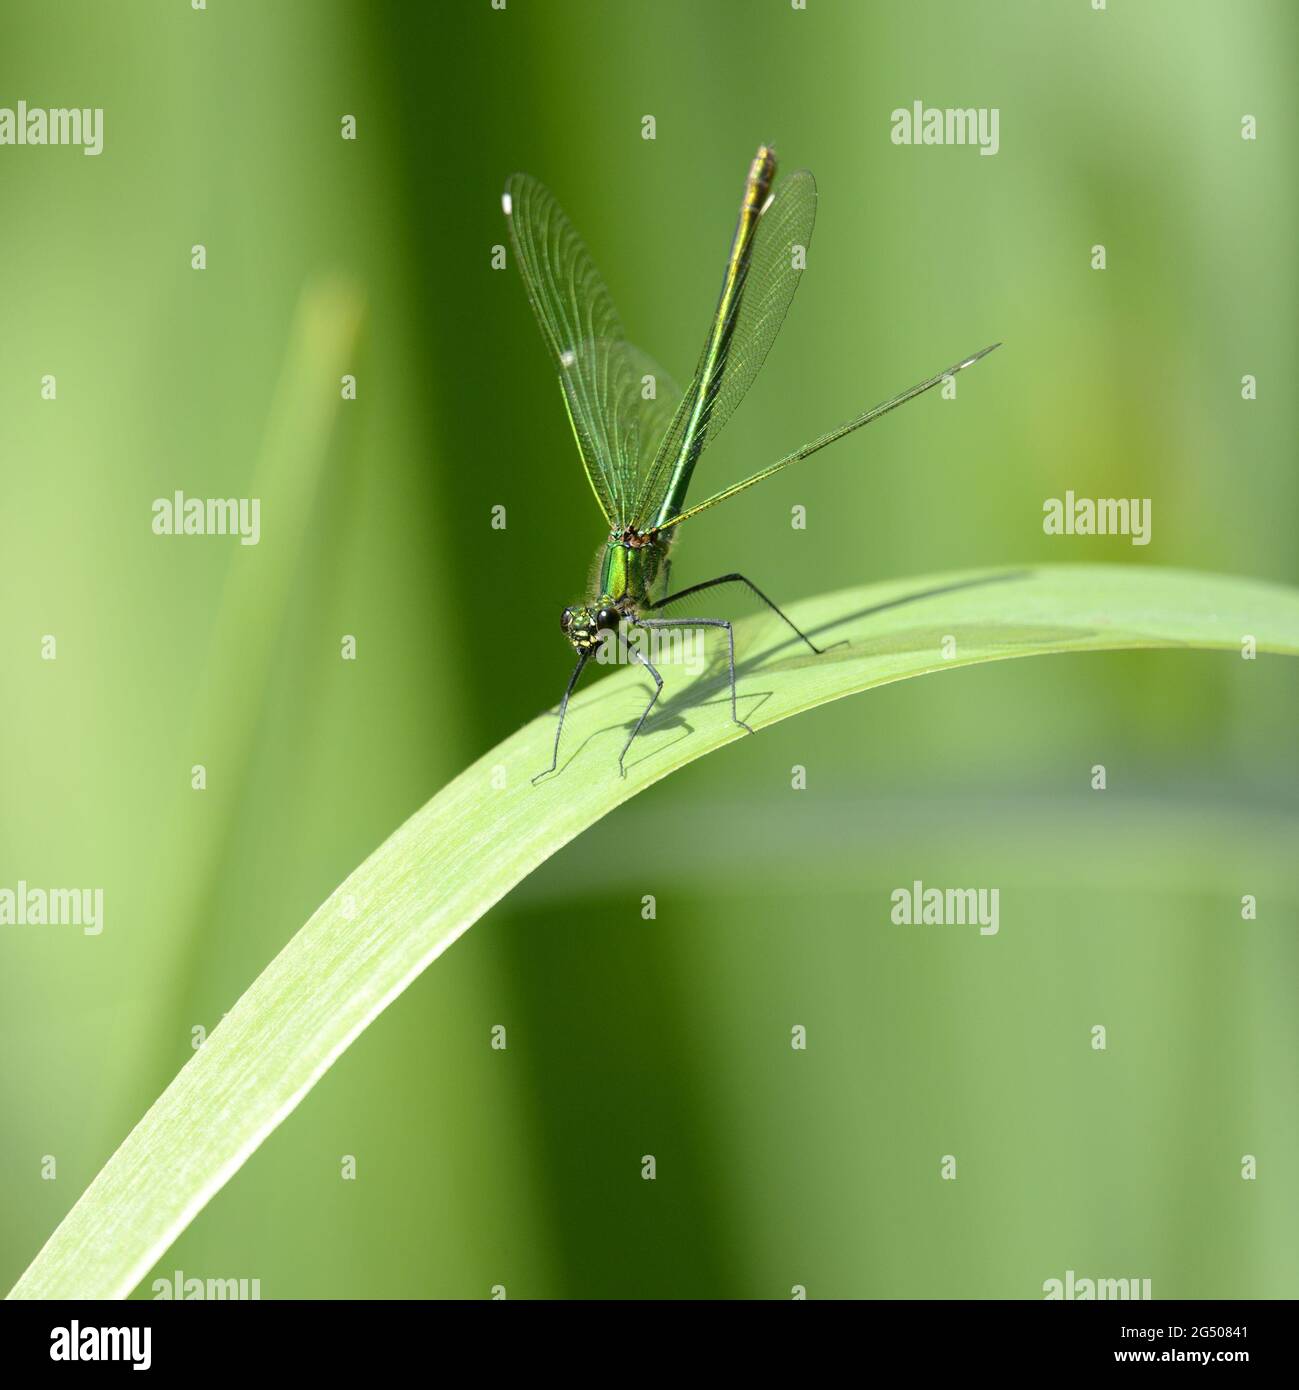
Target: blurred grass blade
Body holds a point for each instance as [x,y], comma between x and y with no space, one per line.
[490,827]
[287,477]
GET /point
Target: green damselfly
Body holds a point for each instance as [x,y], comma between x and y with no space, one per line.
[639,436]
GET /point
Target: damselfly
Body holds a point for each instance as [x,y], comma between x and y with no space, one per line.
[638,436]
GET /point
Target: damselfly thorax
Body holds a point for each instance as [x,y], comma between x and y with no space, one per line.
[629,574]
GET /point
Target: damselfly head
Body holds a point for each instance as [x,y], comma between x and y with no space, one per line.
[584,623]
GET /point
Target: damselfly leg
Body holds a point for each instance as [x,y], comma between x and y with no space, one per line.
[658,690]
[753,588]
[730,649]
[563,708]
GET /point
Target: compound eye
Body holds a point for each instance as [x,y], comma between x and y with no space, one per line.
[566,619]
[607,618]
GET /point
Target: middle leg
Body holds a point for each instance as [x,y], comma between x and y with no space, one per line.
[704,622]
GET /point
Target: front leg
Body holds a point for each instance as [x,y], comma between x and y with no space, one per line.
[563,709]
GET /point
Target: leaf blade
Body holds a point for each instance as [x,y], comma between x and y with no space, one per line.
[463,851]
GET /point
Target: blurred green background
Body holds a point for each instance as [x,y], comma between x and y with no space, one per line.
[776,1168]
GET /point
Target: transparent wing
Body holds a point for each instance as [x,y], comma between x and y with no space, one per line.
[658,397]
[767,279]
[582,331]
[779,252]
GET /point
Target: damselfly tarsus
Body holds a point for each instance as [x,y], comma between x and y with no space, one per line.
[638,436]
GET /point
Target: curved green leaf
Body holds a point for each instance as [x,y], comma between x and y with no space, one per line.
[490,827]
